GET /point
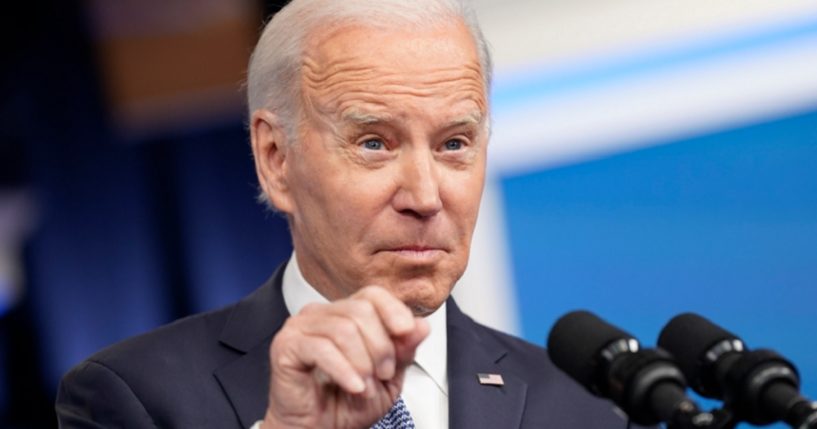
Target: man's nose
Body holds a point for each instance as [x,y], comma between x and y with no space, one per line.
[419,185]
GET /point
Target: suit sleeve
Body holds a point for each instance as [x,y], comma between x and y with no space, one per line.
[94,396]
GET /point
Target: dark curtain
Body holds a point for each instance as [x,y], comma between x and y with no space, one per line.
[127,235]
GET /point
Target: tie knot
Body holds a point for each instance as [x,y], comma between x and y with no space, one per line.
[398,417]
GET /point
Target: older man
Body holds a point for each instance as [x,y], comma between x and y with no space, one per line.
[369,126]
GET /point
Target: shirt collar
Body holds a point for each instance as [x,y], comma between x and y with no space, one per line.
[297,292]
[431,355]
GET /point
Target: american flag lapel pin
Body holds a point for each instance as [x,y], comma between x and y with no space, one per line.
[490,379]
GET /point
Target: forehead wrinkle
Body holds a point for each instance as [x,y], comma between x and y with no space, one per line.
[347,105]
[314,72]
[351,101]
[336,84]
[370,75]
[348,71]
[350,93]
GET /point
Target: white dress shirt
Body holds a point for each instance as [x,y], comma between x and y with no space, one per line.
[425,389]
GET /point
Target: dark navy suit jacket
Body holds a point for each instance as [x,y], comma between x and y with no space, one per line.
[212,371]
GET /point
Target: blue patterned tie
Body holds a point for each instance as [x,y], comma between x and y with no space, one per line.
[398,417]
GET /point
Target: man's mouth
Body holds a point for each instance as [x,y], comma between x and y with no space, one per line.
[417,253]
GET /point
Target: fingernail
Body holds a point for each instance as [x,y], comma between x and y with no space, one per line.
[386,369]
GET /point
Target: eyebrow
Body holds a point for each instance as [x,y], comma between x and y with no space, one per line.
[360,118]
[472,118]
[364,118]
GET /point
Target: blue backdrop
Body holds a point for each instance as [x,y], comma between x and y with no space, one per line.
[723,224]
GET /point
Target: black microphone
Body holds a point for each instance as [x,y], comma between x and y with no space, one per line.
[758,386]
[645,384]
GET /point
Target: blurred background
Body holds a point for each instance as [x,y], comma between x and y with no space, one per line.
[647,158]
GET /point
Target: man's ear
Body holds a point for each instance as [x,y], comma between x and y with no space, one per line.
[269,148]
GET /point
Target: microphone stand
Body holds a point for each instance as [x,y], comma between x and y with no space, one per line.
[669,404]
[695,419]
[802,416]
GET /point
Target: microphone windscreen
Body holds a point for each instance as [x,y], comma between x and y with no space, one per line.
[688,337]
[575,341]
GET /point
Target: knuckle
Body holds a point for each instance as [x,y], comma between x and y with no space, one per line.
[324,348]
[362,308]
[382,350]
[345,329]
[283,336]
[288,337]
[372,292]
[282,342]
[312,307]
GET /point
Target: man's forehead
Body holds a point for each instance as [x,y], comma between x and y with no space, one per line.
[336,46]
[367,75]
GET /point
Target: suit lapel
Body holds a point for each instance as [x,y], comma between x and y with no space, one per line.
[471,404]
[256,319]
[249,331]
[246,383]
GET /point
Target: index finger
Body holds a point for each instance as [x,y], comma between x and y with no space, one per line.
[396,316]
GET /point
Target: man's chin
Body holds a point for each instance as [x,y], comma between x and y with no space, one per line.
[422,296]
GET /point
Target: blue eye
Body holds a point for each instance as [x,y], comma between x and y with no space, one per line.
[373,144]
[453,144]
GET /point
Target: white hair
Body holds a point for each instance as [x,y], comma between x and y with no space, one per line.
[273,77]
